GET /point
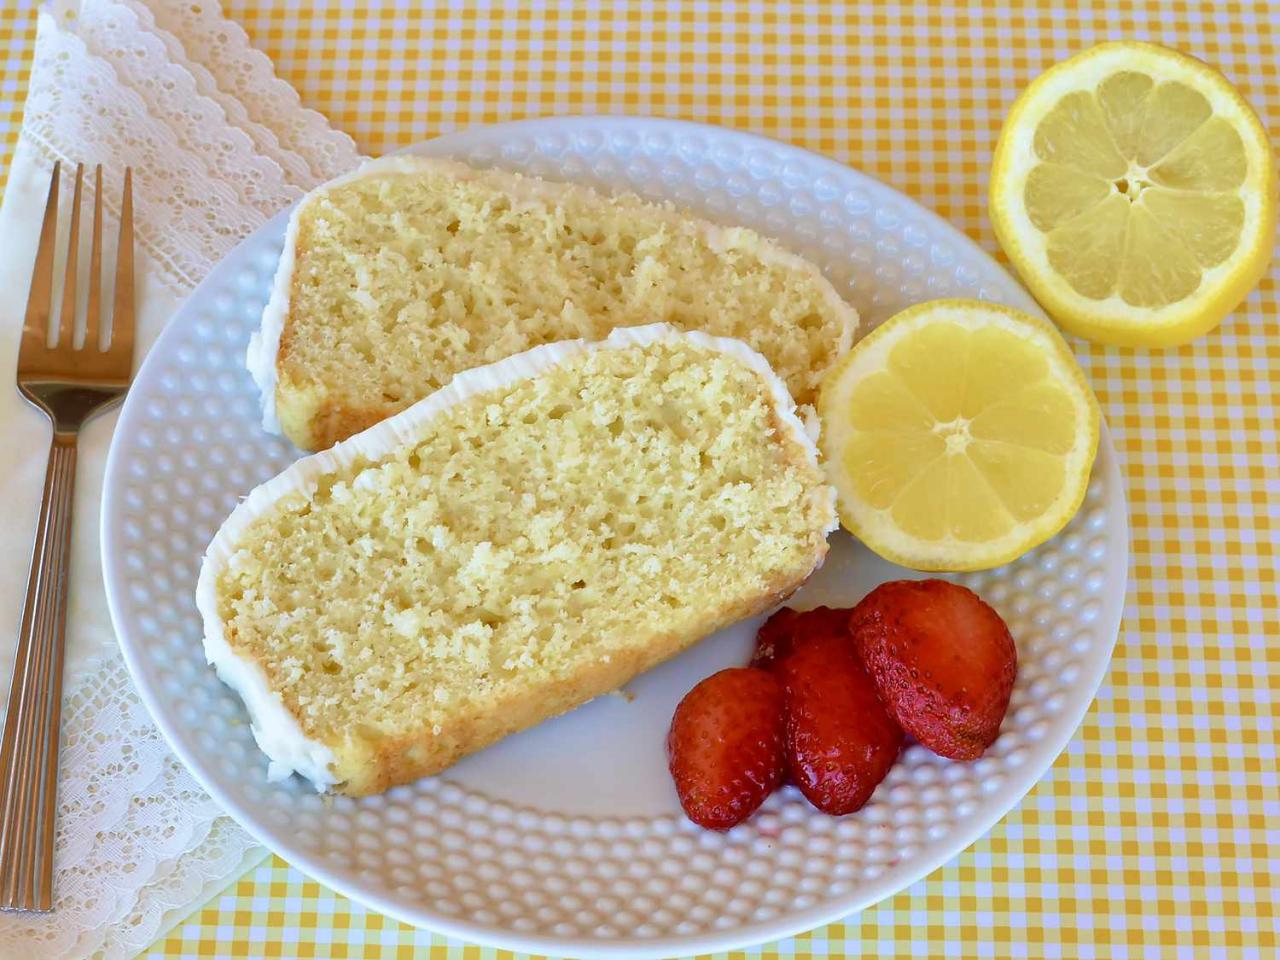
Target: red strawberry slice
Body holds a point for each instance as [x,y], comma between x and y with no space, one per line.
[777,635]
[840,740]
[943,662]
[725,746]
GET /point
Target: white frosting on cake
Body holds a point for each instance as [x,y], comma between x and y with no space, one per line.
[264,343]
[275,729]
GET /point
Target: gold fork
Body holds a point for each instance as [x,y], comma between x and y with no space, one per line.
[70,384]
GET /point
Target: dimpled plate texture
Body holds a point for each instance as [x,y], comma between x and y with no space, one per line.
[567,839]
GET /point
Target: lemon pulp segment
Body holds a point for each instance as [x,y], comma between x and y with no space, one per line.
[1133,189]
[959,434]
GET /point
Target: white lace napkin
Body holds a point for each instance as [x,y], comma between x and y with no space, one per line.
[218,145]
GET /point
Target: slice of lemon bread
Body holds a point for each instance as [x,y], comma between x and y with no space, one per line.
[529,537]
[397,277]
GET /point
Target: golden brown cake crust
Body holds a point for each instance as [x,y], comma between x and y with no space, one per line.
[315,420]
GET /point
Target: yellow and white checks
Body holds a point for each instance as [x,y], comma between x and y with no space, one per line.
[1157,834]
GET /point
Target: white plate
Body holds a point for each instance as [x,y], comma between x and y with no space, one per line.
[567,839]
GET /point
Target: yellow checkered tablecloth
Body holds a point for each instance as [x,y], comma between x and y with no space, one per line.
[1157,834]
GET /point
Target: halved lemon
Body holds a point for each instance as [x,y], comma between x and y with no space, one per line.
[958,434]
[1134,190]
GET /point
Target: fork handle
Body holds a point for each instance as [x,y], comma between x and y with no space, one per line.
[29,746]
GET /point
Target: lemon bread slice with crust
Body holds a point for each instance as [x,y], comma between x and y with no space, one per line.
[412,269]
[529,537]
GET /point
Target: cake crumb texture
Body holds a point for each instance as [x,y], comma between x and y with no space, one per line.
[526,549]
[411,272]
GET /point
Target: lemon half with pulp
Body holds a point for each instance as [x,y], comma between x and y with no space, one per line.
[1134,190]
[958,434]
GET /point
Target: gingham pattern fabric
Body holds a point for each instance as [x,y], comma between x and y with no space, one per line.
[1157,833]
[17,41]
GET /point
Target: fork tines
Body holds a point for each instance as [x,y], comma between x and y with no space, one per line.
[36,329]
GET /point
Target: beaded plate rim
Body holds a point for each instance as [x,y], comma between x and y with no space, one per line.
[511,144]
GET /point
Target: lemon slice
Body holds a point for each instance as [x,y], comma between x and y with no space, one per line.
[958,434]
[1134,190]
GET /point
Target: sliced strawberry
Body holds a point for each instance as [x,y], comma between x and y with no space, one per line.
[943,662]
[725,746]
[840,740]
[777,635]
